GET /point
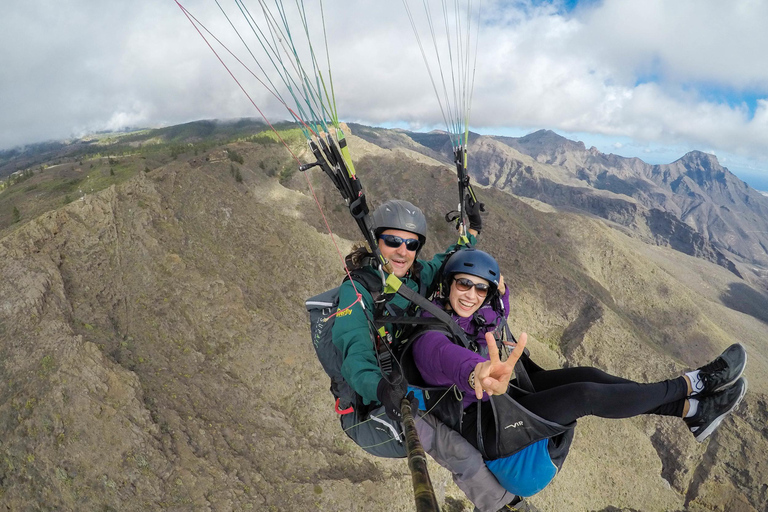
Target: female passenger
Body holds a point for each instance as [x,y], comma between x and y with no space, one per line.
[471,278]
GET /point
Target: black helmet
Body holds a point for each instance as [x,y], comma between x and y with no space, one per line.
[399,214]
[475,263]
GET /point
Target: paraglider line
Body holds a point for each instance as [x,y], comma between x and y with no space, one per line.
[309,183]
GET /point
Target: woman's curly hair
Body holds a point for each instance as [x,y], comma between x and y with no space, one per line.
[359,256]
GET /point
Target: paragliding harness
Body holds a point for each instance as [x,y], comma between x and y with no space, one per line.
[322,310]
[528,450]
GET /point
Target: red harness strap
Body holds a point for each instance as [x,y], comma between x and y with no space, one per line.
[345,411]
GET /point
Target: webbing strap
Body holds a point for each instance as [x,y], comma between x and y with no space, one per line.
[414,320]
[480,441]
[521,374]
[338,410]
[437,312]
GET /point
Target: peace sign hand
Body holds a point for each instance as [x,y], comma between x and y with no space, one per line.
[493,376]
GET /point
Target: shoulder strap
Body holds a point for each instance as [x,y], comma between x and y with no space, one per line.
[444,318]
[417,267]
[370,281]
[521,373]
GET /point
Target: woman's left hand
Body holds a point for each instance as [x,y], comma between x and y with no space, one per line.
[502,286]
[493,376]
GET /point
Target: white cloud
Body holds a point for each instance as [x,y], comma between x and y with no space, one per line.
[585,74]
[628,70]
[702,40]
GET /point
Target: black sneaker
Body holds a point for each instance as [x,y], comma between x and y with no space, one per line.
[722,372]
[516,504]
[714,408]
[512,505]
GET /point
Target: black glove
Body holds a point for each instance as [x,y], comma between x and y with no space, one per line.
[390,396]
[414,402]
[473,209]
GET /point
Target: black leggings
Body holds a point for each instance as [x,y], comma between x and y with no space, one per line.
[567,394]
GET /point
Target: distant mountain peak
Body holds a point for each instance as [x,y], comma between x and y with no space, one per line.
[546,132]
[546,142]
[701,159]
[545,136]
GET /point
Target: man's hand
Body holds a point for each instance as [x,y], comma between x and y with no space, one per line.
[473,208]
[390,396]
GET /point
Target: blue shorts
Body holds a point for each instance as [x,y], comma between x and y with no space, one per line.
[526,472]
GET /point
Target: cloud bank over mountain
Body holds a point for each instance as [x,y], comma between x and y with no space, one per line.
[642,76]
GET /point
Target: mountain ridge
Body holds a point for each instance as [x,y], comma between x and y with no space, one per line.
[726,213]
[154,348]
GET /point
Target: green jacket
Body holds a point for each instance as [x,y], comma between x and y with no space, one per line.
[351,333]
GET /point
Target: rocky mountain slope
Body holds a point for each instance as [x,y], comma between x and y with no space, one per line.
[693,204]
[155,355]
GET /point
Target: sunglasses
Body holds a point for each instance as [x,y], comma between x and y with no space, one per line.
[412,244]
[464,285]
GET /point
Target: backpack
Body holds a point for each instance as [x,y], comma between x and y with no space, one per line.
[322,310]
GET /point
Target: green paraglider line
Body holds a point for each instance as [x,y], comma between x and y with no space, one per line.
[189,17]
[269,50]
[330,76]
[313,60]
[456,105]
[195,24]
[272,52]
[333,158]
[316,96]
[301,84]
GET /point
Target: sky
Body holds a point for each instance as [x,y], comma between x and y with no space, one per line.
[653,79]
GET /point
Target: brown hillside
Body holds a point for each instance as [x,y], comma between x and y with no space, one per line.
[155,355]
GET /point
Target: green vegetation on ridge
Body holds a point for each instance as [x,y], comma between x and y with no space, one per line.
[45,176]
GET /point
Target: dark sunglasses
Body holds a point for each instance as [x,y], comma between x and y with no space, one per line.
[464,285]
[412,244]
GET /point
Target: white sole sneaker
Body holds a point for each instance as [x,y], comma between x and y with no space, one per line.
[704,434]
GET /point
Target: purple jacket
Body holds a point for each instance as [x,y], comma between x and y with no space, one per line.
[443,363]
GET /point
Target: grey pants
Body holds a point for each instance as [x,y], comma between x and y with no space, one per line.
[382,437]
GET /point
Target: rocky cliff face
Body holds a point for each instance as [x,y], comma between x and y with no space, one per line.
[155,355]
[717,204]
[694,205]
[724,218]
[552,171]
[150,357]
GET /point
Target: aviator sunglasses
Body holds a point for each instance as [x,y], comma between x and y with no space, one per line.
[464,285]
[412,244]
